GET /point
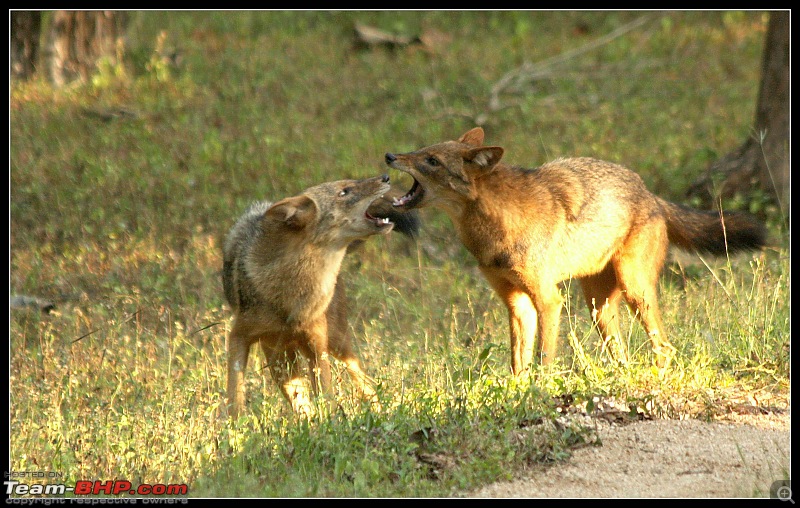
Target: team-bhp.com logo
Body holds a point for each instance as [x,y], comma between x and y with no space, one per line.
[92,488]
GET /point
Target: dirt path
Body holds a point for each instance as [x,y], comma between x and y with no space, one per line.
[737,457]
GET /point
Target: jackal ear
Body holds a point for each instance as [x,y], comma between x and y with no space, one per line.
[295,212]
[472,137]
[485,157]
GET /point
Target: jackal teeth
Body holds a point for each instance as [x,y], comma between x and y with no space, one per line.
[414,193]
[403,200]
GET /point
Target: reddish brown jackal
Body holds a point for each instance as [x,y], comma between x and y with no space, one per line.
[531,229]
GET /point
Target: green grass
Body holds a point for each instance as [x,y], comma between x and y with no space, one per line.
[120,223]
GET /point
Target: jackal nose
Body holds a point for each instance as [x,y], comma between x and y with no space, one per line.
[385,178]
[390,157]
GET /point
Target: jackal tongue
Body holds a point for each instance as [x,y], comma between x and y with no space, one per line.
[410,195]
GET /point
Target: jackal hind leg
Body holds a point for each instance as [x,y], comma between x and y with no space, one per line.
[602,295]
[364,385]
[637,269]
[341,348]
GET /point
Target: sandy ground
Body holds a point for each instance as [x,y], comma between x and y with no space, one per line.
[740,456]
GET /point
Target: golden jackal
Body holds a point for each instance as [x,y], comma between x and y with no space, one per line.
[280,274]
[531,229]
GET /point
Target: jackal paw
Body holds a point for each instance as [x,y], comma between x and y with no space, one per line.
[663,356]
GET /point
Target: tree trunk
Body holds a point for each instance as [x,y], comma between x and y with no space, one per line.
[763,159]
[78,39]
[25,30]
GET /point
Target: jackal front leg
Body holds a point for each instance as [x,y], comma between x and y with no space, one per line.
[548,302]
[238,352]
[286,370]
[522,319]
[319,362]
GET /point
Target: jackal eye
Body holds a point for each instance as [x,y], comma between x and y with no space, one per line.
[433,161]
[344,192]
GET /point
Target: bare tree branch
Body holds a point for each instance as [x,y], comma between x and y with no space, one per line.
[517,79]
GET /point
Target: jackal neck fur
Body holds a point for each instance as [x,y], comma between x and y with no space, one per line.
[311,268]
[492,214]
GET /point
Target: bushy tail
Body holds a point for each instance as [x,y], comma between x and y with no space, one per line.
[713,232]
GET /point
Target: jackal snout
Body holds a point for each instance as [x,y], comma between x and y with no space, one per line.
[445,173]
[349,207]
[415,196]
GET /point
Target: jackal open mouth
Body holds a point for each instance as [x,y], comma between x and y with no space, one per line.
[412,198]
[379,222]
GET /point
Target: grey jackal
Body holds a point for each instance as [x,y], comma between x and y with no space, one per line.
[281,265]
